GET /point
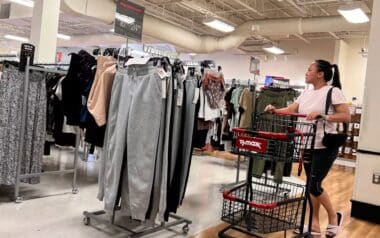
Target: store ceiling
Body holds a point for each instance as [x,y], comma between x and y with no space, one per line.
[189,14]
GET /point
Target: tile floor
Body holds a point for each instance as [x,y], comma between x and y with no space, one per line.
[59,212]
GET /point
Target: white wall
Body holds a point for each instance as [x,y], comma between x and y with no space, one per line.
[353,67]
[291,66]
[344,53]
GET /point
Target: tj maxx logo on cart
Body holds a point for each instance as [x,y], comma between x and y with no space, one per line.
[251,143]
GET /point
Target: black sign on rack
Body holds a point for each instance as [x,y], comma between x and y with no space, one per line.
[129,19]
[27,50]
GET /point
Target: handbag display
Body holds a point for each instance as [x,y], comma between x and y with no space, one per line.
[331,139]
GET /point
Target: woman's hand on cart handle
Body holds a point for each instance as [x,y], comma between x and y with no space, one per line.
[270,108]
[316,116]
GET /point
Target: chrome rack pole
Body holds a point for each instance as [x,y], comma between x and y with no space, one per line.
[20,154]
[76,155]
[19,176]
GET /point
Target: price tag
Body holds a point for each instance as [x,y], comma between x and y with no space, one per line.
[137,61]
[179,97]
[163,88]
[196,96]
[162,73]
[175,81]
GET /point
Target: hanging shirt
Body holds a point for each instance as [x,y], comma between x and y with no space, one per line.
[100,94]
[247,104]
[235,99]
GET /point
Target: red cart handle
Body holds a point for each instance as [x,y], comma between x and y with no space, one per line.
[290,114]
[239,130]
[227,195]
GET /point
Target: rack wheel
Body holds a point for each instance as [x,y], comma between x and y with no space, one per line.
[185,229]
[86,221]
[75,191]
[19,200]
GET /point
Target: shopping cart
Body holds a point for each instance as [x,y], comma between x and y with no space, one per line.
[261,204]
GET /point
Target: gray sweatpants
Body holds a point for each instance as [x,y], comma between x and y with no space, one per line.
[177,124]
[143,112]
[114,144]
[189,119]
[159,196]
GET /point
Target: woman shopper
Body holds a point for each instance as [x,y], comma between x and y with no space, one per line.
[312,102]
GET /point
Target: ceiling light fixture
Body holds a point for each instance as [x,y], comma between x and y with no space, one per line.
[64,37]
[192,54]
[353,14]
[124,18]
[27,3]
[219,25]
[273,49]
[17,38]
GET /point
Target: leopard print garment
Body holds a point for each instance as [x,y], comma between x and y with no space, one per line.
[11,101]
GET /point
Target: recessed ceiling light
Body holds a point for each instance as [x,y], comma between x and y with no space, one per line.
[64,37]
[27,3]
[219,25]
[353,13]
[273,49]
[17,38]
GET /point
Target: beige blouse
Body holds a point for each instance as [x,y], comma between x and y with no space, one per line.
[100,94]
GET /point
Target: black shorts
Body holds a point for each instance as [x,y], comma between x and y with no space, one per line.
[323,159]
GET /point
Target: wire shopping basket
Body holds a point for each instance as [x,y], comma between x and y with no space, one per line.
[262,205]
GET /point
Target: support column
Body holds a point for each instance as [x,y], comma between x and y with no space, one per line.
[44,30]
[366,194]
[340,58]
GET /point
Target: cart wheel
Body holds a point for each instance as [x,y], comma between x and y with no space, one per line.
[86,221]
[75,190]
[185,229]
[19,200]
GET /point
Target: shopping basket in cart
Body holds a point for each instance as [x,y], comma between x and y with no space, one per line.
[262,205]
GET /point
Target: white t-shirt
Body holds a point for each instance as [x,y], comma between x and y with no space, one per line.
[315,101]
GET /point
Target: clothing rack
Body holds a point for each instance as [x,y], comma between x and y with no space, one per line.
[101,217]
[44,64]
[88,216]
[19,176]
[253,88]
[8,56]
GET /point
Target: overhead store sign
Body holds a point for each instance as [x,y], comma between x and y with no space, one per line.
[129,19]
[191,63]
[254,66]
[160,52]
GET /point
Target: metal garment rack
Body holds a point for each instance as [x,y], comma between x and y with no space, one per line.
[19,176]
[88,216]
[99,217]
